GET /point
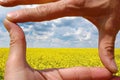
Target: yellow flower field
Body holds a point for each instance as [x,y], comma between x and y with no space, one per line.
[42,58]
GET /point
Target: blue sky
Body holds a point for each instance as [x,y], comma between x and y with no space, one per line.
[63,32]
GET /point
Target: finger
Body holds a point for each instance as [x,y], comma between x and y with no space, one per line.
[44,12]
[9,3]
[83,73]
[17,45]
[107,38]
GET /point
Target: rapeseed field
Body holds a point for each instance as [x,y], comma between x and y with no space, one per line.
[42,58]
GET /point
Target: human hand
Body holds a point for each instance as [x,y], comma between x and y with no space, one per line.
[17,67]
[103,13]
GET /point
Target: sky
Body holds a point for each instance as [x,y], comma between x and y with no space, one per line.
[72,32]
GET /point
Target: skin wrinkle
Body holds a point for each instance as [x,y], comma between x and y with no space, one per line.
[91,76]
[59,74]
[15,39]
[103,4]
[77,3]
[108,46]
[26,13]
[48,74]
[109,49]
[44,10]
[77,76]
[40,75]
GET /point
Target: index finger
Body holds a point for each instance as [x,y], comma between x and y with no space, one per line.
[83,73]
[8,3]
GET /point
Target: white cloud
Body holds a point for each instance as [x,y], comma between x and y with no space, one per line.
[45,35]
[43,31]
[56,42]
[67,35]
[80,34]
[28,29]
[63,32]
[87,36]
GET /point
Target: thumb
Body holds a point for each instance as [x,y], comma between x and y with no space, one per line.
[106,48]
[17,45]
[40,13]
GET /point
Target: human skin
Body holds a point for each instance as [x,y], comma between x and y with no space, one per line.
[17,67]
[102,13]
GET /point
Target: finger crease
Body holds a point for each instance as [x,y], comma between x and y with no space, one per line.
[91,77]
[60,74]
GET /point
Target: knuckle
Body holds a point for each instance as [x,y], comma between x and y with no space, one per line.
[25,14]
[44,10]
[74,6]
[16,37]
[76,2]
[77,70]
[109,46]
[25,11]
[109,49]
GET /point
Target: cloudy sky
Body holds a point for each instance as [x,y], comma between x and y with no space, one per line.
[63,32]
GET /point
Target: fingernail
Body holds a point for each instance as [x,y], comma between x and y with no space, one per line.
[114,67]
[11,15]
[3,0]
[6,23]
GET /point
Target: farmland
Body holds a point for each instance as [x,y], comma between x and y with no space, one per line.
[42,58]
